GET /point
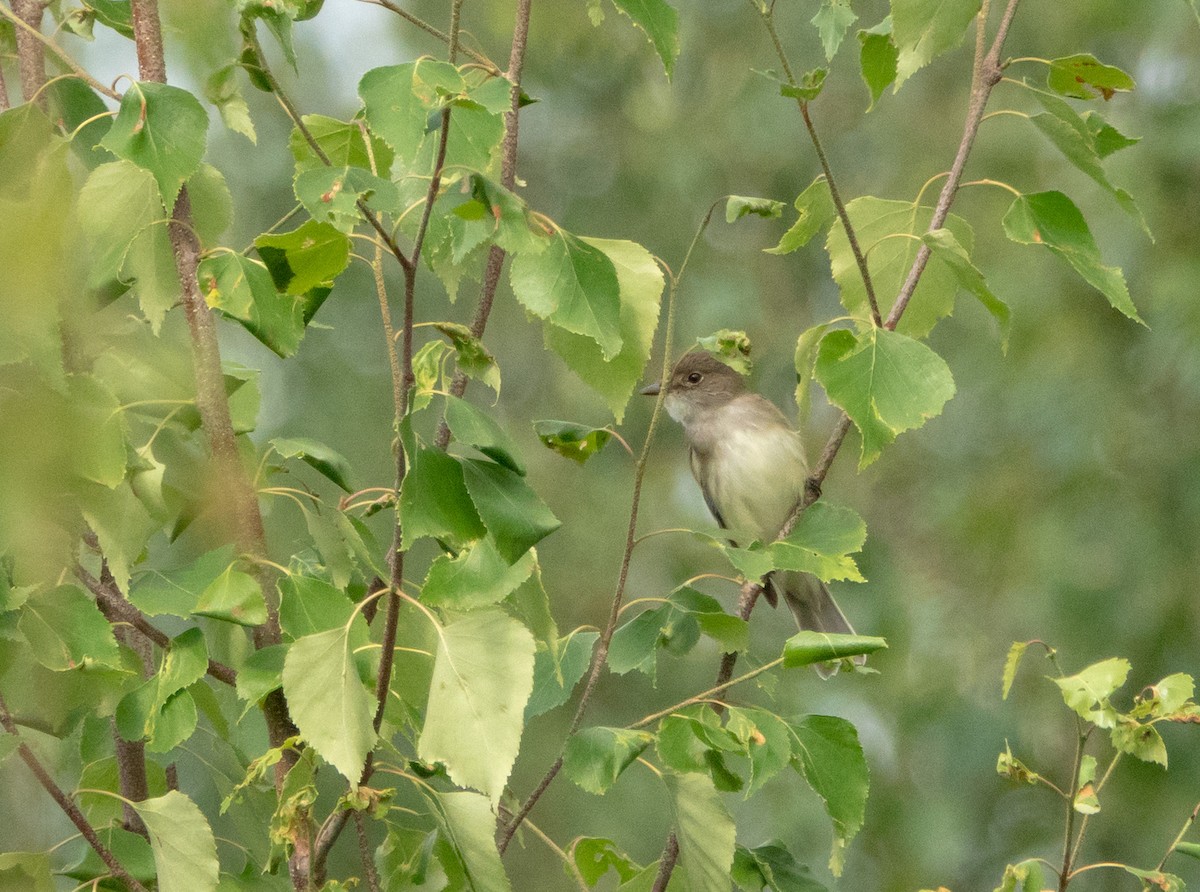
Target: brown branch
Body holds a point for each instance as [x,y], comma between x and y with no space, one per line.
[666,864]
[31,53]
[24,27]
[118,609]
[364,853]
[445,38]
[70,809]
[508,178]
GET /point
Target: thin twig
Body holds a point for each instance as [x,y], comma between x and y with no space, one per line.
[364,853]
[704,695]
[70,809]
[666,864]
[59,53]
[1187,825]
[445,38]
[1064,875]
[508,179]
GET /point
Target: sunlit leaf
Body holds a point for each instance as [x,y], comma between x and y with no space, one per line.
[1087,692]
[946,247]
[185,852]
[1083,76]
[806,648]
[704,829]
[469,823]
[595,757]
[817,211]
[878,58]
[660,22]
[924,29]
[577,442]
[831,759]
[163,129]
[832,21]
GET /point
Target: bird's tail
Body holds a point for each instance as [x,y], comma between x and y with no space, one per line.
[814,610]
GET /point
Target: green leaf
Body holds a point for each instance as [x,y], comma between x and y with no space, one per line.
[343,144]
[1024,877]
[261,673]
[817,211]
[185,852]
[482,678]
[1191,849]
[531,604]
[122,524]
[831,760]
[433,499]
[176,592]
[878,58]
[397,101]
[509,508]
[163,129]
[595,757]
[1010,667]
[1083,76]
[731,347]
[212,205]
[767,741]
[329,463]
[809,88]
[946,248]
[100,457]
[327,699]
[821,544]
[468,822]
[243,289]
[1105,137]
[1086,802]
[731,632]
[738,206]
[660,22]
[1087,692]
[235,597]
[1157,879]
[557,672]
[773,867]
[185,663]
[635,645]
[577,442]
[308,605]
[806,648]
[680,745]
[25,871]
[832,21]
[312,255]
[890,232]
[887,384]
[76,105]
[573,285]
[1008,765]
[924,29]
[1141,741]
[805,360]
[596,856]
[66,630]
[221,89]
[331,195]
[476,577]
[1051,219]
[705,832]
[640,280]
[473,428]
[1171,694]
[474,360]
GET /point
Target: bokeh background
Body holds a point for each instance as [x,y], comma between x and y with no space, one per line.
[1056,497]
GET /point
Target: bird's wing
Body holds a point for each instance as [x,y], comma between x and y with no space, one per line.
[708,499]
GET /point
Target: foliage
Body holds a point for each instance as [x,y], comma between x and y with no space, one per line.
[201,615]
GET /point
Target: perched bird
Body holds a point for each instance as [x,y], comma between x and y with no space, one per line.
[750,465]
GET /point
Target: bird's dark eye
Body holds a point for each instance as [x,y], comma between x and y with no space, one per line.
[695,378]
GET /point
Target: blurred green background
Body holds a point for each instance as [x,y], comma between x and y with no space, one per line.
[1057,497]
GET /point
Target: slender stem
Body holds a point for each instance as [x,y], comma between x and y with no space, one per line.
[1064,875]
[431,30]
[31,53]
[705,695]
[25,28]
[508,178]
[666,864]
[1083,825]
[600,654]
[1187,825]
[70,809]
[364,853]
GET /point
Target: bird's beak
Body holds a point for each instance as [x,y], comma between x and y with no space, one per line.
[651,389]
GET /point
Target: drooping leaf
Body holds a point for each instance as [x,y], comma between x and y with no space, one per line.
[705,832]
[767,741]
[832,21]
[434,500]
[557,671]
[924,29]
[1052,219]
[806,648]
[1141,741]
[261,673]
[805,360]
[163,129]
[473,428]
[577,442]
[660,22]
[327,699]
[731,632]
[887,383]
[185,852]
[329,463]
[831,760]
[221,89]
[469,823]
[817,211]
[512,512]
[809,88]
[595,757]
[66,630]
[946,247]
[397,101]
[772,866]
[1010,667]
[243,289]
[1156,879]
[310,256]
[482,678]
[474,360]
[640,281]
[476,577]
[878,58]
[1083,76]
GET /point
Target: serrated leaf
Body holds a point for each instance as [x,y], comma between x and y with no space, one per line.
[176,592]
[731,347]
[235,597]
[331,195]
[831,760]
[832,21]
[482,678]
[821,543]
[805,359]
[924,29]
[310,256]
[705,832]
[221,89]
[1024,877]
[731,632]
[472,427]
[512,512]
[1083,76]
[121,523]
[66,630]
[556,672]
[261,673]
[595,757]
[887,383]
[1010,667]
[577,442]
[809,88]
[327,700]
[878,58]
[773,867]
[1087,692]
[817,211]
[474,360]
[946,247]
[343,144]
[469,824]
[641,282]
[767,741]
[1156,879]
[397,101]
[476,577]
[244,289]
[308,605]
[329,463]
[738,206]
[660,22]
[596,856]
[1140,741]
[573,285]
[1008,765]
[433,498]
[163,129]
[185,852]
[1051,219]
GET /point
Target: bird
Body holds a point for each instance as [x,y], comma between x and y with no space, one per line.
[750,465]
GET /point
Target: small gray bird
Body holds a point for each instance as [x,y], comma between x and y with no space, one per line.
[750,465]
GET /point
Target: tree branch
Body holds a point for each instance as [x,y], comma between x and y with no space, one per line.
[666,864]
[70,809]
[445,38]
[24,27]
[31,53]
